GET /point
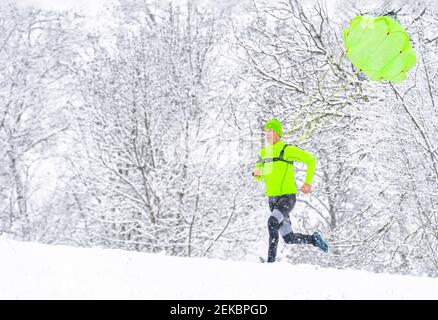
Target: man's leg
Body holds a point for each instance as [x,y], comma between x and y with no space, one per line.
[273,226]
[298,238]
[279,205]
[285,205]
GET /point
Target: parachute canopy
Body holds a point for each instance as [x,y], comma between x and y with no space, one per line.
[379,47]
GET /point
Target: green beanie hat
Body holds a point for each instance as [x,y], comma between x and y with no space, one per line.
[275,125]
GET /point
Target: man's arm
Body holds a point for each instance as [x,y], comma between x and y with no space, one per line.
[297,154]
[257,173]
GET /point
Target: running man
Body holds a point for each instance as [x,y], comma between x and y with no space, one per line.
[276,168]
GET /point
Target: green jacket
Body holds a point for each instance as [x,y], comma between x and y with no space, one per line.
[279,176]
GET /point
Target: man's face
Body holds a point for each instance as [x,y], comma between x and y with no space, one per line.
[271,136]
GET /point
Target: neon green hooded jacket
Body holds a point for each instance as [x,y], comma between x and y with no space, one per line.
[279,176]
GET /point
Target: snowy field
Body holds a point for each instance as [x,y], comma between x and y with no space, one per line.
[37,271]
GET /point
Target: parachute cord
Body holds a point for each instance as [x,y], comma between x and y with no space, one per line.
[340,89]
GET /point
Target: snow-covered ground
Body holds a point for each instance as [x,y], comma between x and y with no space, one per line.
[37,271]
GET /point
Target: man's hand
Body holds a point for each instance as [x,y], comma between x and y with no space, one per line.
[256,172]
[306,188]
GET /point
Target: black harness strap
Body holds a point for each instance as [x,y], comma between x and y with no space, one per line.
[279,158]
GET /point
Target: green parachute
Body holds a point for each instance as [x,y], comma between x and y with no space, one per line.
[379,47]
